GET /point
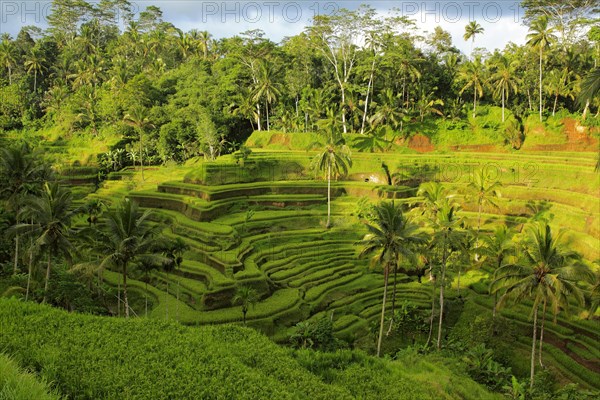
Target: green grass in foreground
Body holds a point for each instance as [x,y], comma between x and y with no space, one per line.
[16,384]
[104,358]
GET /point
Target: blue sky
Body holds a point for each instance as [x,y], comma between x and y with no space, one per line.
[502,20]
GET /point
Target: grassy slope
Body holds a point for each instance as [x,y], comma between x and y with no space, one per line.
[16,384]
[97,357]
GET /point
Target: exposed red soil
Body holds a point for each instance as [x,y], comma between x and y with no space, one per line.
[420,143]
[478,148]
[579,138]
[280,139]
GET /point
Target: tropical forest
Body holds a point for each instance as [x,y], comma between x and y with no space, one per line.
[367,207]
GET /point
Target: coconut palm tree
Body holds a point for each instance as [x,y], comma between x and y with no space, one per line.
[472,74]
[266,87]
[34,62]
[173,251]
[540,36]
[485,192]
[22,172]
[390,236]
[497,247]
[448,237]
[8,57]
[504,80]
[50,215]
[472,29]
[590,88]
[126,236]
[335,159]
[246,297]
[138,118]
[558,84]
[547,274]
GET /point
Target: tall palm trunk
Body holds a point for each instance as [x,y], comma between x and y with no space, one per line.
[432,314]
[125,300]
[532,372]
[328,196]
[47,277]
[542,332]
[29,272]
[142,154]
[474,99]
[393,300]
[555,102]
[502,104]
[442,283]
[386,273]
[16,266]
[167,299]
[267,113]
[343,110]
[541,101]
[364,119]
[258,117]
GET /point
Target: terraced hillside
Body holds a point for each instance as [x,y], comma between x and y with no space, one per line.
[260,223]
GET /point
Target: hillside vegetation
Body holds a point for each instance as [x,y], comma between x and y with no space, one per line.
[104,358]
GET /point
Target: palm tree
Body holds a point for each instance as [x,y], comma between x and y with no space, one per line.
[497,247]
[484,191]
[173,251]
[21,173]
[8,57]
[390,236]
[504,79]
[472,29]
[540,36]
[472,74]
[126,236]
[34,62]
[388,110]
[138,118]
[246,297]
[335,159]
[448,235]
[547,275]
[266,87]
[557,84]
[590,88]
[51,215]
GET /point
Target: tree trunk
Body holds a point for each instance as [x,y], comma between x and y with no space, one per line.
[258,117]
[554,108]
[532,372]
[393,301]
[542,333]
[125,300]
[343,110]
[364,119]
[502,104]
[386,273]
[29,276]
[432,314]
[47,278]
[529,100]
[16,266]
[34,81]
[586,108]
[442,283]
[474,100]
[167,299]
[541,102]
[142,154]
[328,196]
[267,113]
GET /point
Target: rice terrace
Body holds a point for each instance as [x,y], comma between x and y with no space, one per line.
[347,201]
